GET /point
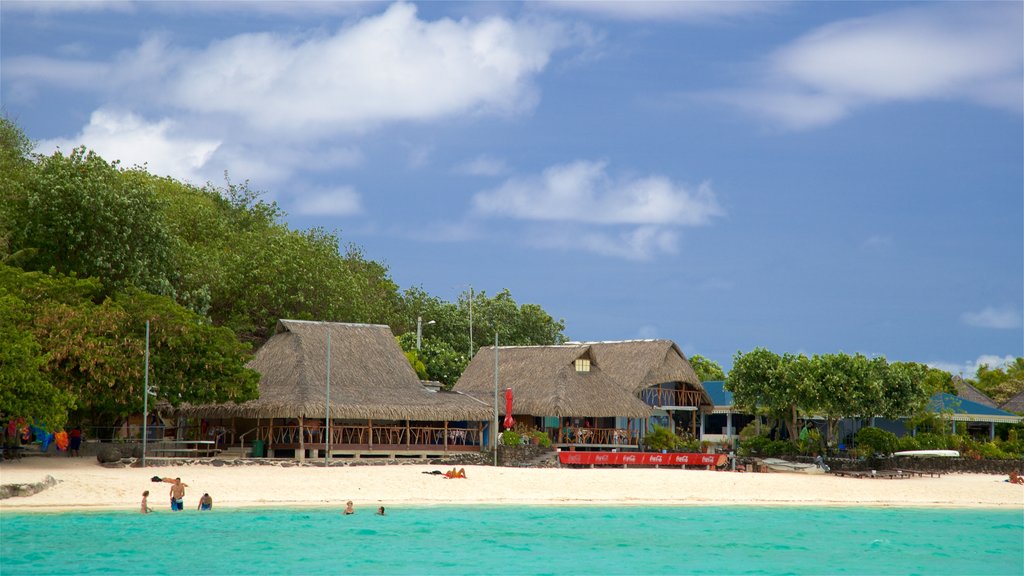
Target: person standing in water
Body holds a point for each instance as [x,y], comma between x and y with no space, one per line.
[145,505]
[206,502]
[177,495]
[348,509]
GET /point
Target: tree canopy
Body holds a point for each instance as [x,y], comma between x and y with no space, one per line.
[833,386]
[93,250]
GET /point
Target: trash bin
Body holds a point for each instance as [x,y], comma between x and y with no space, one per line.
[257,448]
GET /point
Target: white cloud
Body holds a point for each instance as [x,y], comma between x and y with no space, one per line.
[269,102]
[341,201]
[58,6]
[629,217]
[689,10]
[582,191]
[127,137]
[969,368]
[483,166]
[962,52]
[1005,318]
[384,68]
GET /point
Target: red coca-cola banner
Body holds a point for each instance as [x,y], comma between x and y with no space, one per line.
[641,459]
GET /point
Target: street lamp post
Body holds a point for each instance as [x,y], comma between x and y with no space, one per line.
[146,393]
[419,331]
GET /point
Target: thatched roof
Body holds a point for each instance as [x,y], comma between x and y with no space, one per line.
[1015,403]
[370,378]
[965,390]
[544,382]
[640,364]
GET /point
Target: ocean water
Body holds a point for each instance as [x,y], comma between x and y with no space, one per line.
[517,540]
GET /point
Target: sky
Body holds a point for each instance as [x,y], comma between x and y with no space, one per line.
[808,177]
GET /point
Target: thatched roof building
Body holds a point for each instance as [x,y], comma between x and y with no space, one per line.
[1015,403]
[545,382]
[965,390]
[640,364]
[370,379]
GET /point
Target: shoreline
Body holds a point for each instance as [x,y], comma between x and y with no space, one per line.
[84,485]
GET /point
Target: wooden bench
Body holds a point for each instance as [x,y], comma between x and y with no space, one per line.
[196,448]
[923,473]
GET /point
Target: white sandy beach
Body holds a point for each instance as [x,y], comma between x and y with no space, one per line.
[83,484]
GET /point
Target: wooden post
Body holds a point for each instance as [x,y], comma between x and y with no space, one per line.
[445,435]
[302,441]
[270,433]
[369,431]
[407,439]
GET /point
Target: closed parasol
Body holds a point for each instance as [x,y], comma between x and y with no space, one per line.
[509,422]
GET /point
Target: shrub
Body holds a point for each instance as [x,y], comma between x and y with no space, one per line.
[765,447]
[931,441]
[908,443]
[661,438]
[511,438]
[871,440]
[542,438]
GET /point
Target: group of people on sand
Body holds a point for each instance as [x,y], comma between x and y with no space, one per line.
[177,495]
[349,509]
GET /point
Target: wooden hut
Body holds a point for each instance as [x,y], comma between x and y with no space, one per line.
[378,406]
[597,394]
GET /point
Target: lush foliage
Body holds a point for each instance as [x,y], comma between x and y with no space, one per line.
[445,345]
[661,438]
[871,440]
[94,352]
[105,240]
[707,370]
[1001,384]
[833,385]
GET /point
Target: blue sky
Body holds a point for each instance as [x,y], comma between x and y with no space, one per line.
[807,177]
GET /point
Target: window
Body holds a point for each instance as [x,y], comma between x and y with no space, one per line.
[583,365]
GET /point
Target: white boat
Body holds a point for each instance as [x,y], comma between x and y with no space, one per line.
[779,465]
[928,453]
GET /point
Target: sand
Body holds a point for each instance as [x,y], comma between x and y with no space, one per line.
[83,484]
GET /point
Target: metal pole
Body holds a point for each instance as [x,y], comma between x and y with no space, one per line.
[145,401]
[327,421]
[495,431]
[419,332]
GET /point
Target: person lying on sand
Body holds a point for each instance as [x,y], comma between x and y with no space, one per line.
[453,473]
[1015,478]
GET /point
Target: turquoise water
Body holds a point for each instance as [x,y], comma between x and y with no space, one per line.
[518,540]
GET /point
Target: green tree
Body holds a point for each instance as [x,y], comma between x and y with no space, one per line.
[84,216]
[95,352]
[763,382]
[25,390]
[1001,384]
[707,370]
[440,362]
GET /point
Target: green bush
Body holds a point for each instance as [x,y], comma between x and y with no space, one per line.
[992,451]
[908,443]
[661,438]
[511,438]
[542,438]
[765,447]
[871,440]
[931,441]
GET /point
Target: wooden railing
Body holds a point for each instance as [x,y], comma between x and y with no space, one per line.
[365,435]
[658,396]
[606,436]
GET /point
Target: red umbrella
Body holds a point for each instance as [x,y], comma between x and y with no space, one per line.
[508,409]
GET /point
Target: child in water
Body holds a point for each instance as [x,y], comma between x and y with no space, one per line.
[145,506]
